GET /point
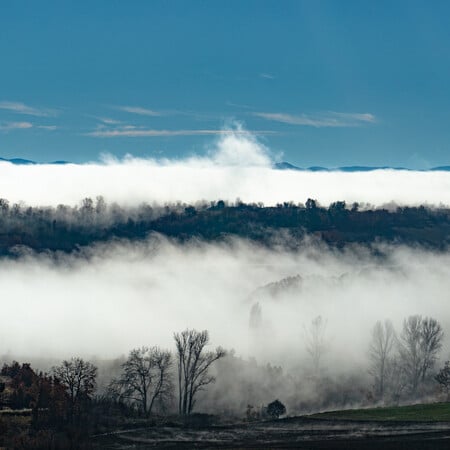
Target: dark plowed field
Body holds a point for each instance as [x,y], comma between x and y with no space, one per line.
[289,433]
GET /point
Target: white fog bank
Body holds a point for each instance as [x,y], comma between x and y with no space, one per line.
[123,296]
[238,166]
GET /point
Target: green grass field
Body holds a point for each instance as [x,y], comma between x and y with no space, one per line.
[434,412]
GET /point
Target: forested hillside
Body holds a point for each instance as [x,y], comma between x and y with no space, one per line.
[67,228]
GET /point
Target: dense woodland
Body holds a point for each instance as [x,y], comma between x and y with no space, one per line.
[68,228]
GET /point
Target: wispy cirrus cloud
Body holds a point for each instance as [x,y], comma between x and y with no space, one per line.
[22,108]
[267,76]
[131,131]
[329,119]
[11,126]
[106,120]
[47,127]
[139,110]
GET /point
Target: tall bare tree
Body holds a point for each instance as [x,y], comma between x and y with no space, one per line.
[380,354]
[432,335]
[410,349]
[396,379]
[145,378]
[79,379]
[193,366]
[420,342]
[315,342]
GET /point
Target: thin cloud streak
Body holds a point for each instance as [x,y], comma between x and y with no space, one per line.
[330,119]
[47,127]
[16,126]
[10,126]
[132,132]
[22,108]
[152,113]
[139,110]
[107,120]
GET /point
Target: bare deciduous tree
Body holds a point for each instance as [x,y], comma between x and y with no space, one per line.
[193,365]
[420,342]
[380,354]
[79,378]
[315,342]
[145,378]
[432,335]
[410,349]
[396,379]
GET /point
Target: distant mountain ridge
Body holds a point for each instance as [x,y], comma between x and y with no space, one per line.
[28,162]
[284,165]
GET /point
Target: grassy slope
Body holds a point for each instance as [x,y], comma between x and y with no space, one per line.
[433,412]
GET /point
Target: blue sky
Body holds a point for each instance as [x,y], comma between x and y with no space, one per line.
[325,82]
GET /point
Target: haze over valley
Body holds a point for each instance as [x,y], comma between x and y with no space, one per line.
[224,225]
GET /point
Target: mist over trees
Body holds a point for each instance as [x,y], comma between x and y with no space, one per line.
[186,379]
[420,341]
[381,354]
[66,228]
[404,362]
[315,342]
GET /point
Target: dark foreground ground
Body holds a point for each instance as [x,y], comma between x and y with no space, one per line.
[301,433]
[420,426]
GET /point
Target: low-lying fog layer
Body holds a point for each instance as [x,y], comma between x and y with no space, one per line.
[237,166]
[102,301]
[118,296]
